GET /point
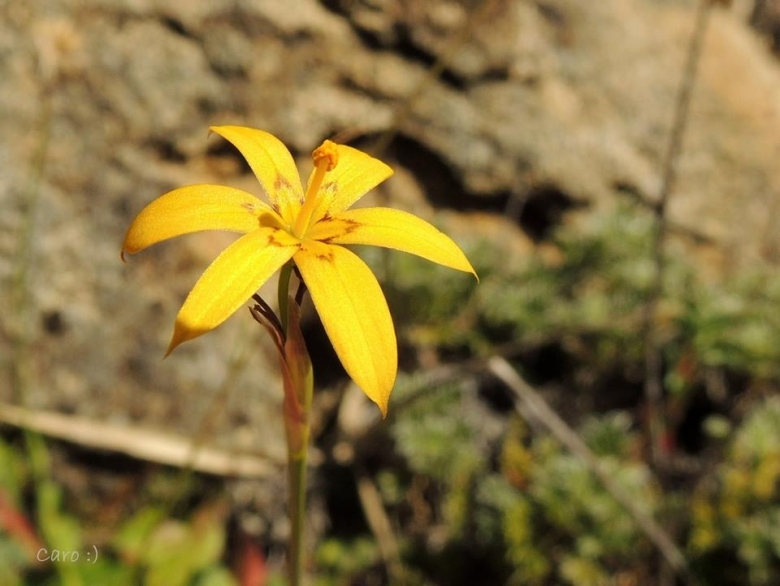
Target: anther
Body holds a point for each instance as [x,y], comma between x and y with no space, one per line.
[326,153]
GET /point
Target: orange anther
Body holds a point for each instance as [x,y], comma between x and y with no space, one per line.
[326,153]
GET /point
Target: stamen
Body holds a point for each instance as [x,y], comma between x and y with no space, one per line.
[326,152]
[326,157]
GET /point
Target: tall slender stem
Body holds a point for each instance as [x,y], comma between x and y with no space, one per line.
[653,385]
[298,393]
[296,477]
[299,389]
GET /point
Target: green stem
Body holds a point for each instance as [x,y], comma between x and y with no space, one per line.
[298,393]
[296,474]
[283,294]
[296,413]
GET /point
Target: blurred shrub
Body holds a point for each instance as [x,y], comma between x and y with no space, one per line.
[736,510]
[736,324]
[534,513]
[337,560]
[14,532]
[46,544]
[172,552]
[596,284]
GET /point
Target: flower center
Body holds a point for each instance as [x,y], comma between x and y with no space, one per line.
[326,157]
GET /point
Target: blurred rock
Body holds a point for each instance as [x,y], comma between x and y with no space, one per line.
[566,105]
[765,17]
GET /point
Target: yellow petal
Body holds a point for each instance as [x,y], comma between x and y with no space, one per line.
[231,280]
[193,209]
[272,164]
[354,313]
[355,174]
[392,229]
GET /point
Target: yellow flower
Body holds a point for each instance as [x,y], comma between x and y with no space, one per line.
[309,229]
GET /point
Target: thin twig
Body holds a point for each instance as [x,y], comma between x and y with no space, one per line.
[24,263]
[653,385]
[531,406]
[379,523]
[152,446]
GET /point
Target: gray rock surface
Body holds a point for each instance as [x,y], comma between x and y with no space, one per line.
[104,105]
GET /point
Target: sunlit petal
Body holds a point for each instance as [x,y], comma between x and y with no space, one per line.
[355,315]
[392,229]
[355,175]
[193,209]
[273,165]
[230,280]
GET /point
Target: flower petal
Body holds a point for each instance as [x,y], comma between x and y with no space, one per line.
[354,313]
[273,165]
[392,229]
[230,280]
[355,174]
[193,209]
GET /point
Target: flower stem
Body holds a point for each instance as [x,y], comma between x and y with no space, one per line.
[298,393]
[299,388]
[296,475]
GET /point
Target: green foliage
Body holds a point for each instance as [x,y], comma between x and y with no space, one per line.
[543,515]
[13,476]
[577,505]
[736,325]
[596,284]
[177,553]
[337,560]
[587,290]
[738,509]
[150,549]
[530,562]
[587,532]
[429,429]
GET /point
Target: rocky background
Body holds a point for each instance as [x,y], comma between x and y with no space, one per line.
[502,118]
